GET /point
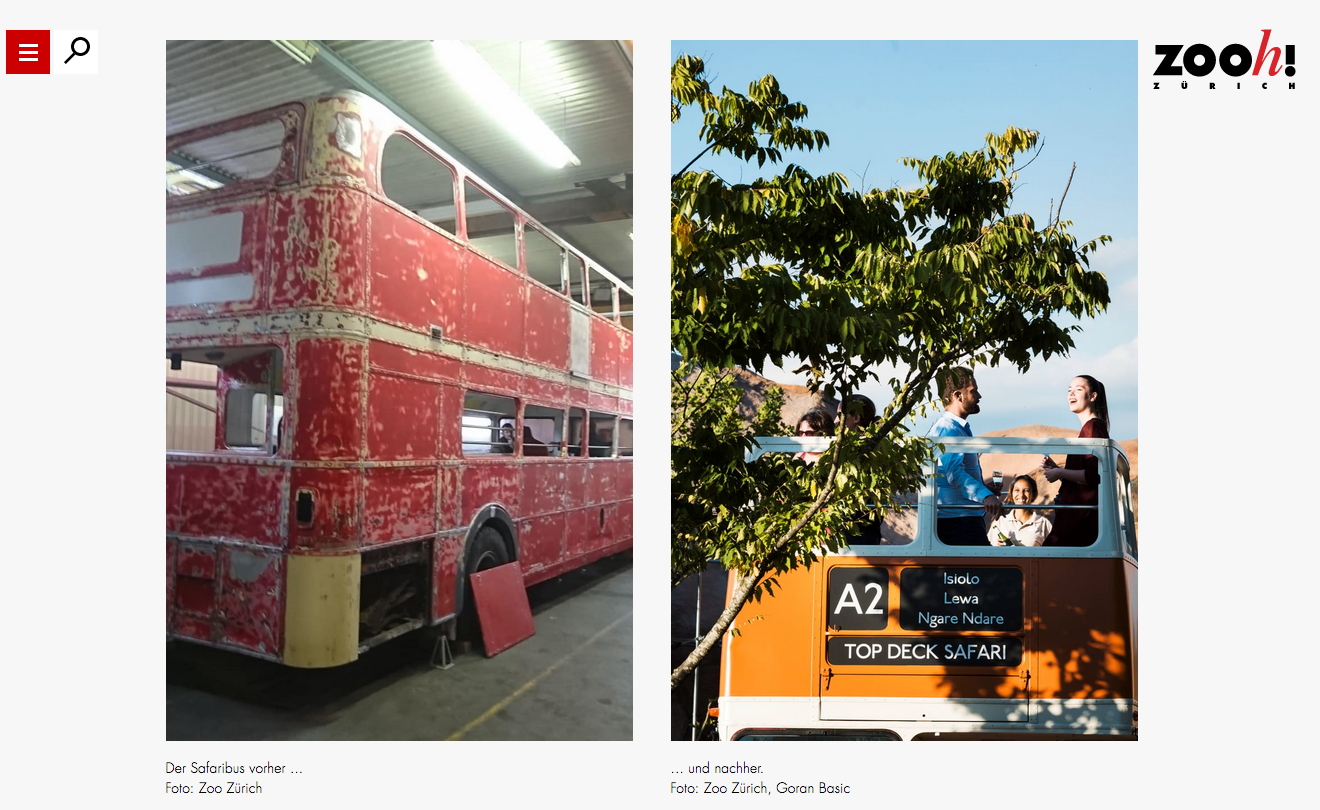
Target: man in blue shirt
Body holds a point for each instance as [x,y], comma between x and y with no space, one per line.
[958,476]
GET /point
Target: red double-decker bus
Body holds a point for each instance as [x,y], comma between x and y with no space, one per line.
[381,376]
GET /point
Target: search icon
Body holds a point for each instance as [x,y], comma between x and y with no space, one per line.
[74,47]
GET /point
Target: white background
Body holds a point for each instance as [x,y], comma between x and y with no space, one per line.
[1227,311]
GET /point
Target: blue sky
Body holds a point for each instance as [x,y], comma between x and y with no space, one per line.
[880,101]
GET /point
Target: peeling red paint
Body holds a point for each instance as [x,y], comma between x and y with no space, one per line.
[250,600]
[320,254]
[399,503]
[195,561]
[484,378]
[446,562]
[604,351]
[416,274]
[328,408]
[383,325]
[547,327]
[487,481]
[543,542]
[493,306]
[388,357]
[403,418]
[336,521]
[231,500]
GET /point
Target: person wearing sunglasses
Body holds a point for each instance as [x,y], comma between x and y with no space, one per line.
[815,422]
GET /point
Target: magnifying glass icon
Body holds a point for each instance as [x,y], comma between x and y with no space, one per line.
[87,48]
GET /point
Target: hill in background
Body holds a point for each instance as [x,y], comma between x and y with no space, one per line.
[1015,464]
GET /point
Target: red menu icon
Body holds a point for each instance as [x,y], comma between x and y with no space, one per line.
[27,51]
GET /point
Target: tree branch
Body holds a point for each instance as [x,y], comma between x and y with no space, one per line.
[1033,157]
[698,157]
[1065,194]
[745,586]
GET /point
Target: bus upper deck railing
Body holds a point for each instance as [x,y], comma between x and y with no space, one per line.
[960,444]
[1116,535]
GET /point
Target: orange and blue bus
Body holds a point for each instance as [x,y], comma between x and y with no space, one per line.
[908,638]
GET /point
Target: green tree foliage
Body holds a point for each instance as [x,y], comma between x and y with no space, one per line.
[804,268]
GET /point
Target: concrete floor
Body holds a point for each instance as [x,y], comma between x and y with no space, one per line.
[572,680]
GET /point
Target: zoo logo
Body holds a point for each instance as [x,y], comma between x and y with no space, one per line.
[1233,60]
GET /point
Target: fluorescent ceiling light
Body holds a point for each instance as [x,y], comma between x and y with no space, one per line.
[486,88]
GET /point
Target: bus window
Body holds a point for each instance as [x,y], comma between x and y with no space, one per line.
[600,443]
[247,380]
[577,279]
[248,412]
[625,309]
[250,153]
[899,526]
[576,416]
[1026,524]
[418,181]
[545,259]
[490,226]
[190,406]
[601,293]
[625,436]
[543,431]
[1127,520]
[488,424]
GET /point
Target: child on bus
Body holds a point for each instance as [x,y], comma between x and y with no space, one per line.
[1020,527]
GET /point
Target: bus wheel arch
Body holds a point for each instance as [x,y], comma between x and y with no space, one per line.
[491,541]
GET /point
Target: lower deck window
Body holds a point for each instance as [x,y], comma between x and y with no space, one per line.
[488,425]
[224,398]
[600,442]
[543,431]
[625,437]
[576,420]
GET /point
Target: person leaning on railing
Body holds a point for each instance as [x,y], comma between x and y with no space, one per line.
[963,496]
[1080,474]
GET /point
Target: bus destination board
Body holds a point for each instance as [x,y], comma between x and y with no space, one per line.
[960,599]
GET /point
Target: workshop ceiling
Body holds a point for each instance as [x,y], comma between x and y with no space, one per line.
[581,89]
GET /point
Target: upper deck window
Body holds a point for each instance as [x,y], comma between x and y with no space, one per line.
[419,181]
[1127,499]
[625,309]
[601,293]
[1032,506]
[577,279]
[250,153]
[545,259]
[490,226]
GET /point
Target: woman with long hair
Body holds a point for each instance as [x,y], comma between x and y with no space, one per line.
[1080,474]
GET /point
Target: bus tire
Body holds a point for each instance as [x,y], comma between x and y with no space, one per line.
[488,551]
